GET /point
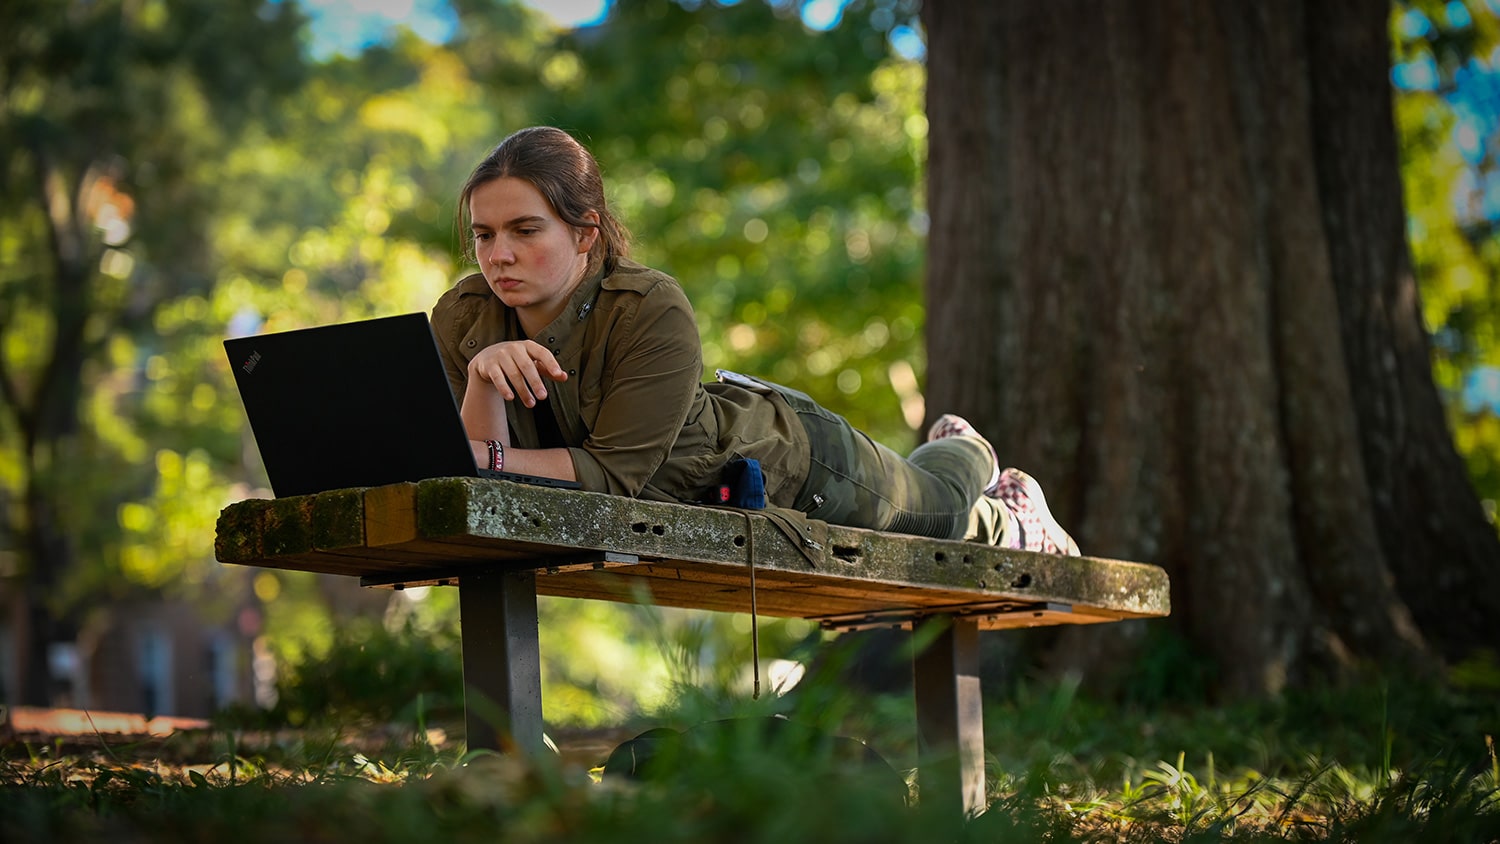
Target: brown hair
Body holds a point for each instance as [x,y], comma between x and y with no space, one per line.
[566,174]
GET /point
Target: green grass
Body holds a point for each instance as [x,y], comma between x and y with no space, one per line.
[1375,762]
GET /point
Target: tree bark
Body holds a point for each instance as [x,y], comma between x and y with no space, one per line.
[1138,287]
[1443,550]
[47,423]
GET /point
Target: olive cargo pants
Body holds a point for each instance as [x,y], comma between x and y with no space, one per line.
[938,491]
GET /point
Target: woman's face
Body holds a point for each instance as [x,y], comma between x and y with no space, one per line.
[530,257]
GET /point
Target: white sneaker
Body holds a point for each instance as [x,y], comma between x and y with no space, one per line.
[1039,529]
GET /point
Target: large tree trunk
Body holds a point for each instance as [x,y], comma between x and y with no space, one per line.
[1149,229]
[1440,547]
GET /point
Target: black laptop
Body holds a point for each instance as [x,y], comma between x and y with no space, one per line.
[354,405]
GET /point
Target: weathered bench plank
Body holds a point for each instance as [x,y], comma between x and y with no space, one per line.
[503,544]
[675,555]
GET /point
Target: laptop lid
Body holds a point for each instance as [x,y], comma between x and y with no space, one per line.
[354,404]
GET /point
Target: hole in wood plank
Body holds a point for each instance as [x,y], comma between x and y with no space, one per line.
[739,541]
[847,553]
[1020,582]
[659,530]
[940,557]
[640,527]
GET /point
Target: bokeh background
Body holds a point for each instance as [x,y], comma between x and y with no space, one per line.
[175,172]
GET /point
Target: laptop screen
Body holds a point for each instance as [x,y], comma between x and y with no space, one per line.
[355,404]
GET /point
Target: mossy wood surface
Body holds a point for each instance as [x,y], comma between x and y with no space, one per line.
[590,545]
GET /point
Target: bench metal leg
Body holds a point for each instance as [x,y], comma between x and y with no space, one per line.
[950,728]
[502,661]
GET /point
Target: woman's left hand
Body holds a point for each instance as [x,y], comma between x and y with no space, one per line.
[519,369]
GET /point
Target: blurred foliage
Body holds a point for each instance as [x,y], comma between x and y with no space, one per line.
[785,194]
[226,184]
[1447,99]
[374,674]
[607,663]
[114,116]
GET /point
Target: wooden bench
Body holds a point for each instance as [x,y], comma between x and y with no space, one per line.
[504,543]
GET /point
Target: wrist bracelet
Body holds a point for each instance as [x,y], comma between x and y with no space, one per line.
[497,455]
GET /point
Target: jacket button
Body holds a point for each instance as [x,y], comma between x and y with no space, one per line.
[471,343]
[572,372]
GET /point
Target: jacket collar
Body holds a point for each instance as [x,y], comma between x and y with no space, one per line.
[556,333]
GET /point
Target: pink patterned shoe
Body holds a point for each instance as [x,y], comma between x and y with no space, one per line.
[1039,530]
[949,425]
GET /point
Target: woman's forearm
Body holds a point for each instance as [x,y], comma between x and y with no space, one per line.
[484,417]
[547,462]
[483,412]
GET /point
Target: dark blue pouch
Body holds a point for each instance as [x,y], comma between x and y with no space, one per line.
[742,485]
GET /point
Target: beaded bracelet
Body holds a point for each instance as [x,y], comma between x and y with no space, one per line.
[497,455]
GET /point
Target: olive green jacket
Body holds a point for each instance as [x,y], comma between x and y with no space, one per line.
[636,416]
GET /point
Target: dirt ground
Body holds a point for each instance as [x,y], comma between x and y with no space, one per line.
[47,735]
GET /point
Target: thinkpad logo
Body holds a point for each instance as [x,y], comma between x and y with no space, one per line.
[250,362]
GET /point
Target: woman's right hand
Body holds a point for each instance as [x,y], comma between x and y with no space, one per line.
[519,369]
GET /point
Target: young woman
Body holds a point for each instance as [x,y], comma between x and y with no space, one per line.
[571,361]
